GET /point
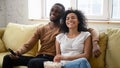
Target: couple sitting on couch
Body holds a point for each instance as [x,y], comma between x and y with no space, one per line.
[71,45]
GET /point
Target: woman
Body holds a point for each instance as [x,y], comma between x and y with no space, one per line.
[73,45]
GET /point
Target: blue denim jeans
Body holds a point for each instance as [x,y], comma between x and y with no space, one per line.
[78,63]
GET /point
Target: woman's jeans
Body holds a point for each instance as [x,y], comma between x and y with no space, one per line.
[78,63]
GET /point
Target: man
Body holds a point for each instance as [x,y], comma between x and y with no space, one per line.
[47,35]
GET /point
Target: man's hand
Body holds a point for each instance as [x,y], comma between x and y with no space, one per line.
[14,56]
[96,50]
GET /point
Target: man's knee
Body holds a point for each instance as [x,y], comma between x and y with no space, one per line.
[6,57]
[35,63]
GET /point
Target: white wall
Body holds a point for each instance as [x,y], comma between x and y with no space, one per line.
[16,11]
[2,13]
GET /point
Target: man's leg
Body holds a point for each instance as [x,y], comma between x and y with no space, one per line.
[38,62]
[78,63]
[10,63]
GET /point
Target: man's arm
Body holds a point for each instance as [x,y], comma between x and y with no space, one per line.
[95,39]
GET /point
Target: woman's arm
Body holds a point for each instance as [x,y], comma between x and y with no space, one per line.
[57,58]
[57,47]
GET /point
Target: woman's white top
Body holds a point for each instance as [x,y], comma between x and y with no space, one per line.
[71,46]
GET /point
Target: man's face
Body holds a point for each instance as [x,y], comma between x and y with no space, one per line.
[55,13]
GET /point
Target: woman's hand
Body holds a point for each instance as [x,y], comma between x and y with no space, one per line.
[57,58]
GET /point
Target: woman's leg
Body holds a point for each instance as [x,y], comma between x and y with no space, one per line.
[78,63]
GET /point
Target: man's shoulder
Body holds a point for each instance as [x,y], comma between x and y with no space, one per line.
[43,26]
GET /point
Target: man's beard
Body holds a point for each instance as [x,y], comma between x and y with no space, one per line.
[56,21]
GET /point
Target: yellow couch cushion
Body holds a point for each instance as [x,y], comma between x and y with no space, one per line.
[2,46]
[2,54]
[1,32]
[17,34]
[113,49]
[100,61]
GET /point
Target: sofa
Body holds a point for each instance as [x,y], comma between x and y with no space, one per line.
[15,35]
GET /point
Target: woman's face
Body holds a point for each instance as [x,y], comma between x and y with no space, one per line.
[72,21]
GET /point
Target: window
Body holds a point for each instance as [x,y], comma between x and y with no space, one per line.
[34,8]
[116,9]
[93,9]
[50,3]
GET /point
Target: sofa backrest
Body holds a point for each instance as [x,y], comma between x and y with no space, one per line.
[2,46]
[113,48]
[2,32]
[99,62]
[16,35]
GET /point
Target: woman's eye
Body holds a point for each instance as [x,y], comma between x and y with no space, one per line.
[67,18]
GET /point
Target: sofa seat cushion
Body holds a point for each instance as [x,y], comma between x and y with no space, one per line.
[16,35]
[1,57]
[113,48]
[99,62]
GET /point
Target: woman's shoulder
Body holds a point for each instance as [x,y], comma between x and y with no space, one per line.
[86,33]
[60,34]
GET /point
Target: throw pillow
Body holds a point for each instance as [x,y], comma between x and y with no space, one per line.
[17,34]
[99,62]
[113,48]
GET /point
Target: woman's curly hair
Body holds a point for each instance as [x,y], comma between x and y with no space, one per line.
[82,26]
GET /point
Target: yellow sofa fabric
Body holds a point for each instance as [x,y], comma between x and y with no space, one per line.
[2,46]
[113,48]
[1,32]
[16,35]
[100,61]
